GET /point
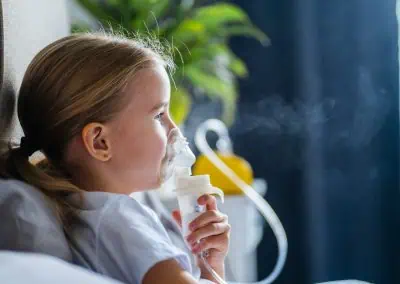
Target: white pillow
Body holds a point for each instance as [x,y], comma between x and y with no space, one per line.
[28,223]
[22,268]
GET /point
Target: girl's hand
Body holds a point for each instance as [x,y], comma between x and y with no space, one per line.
[209,233]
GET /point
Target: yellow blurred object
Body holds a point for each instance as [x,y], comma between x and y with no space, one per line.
[240,166]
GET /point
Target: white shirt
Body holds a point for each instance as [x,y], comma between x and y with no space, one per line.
[119,237]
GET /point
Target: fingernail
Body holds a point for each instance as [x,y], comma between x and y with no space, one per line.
[192,226]
[201,199]
[189,239]
[195,247]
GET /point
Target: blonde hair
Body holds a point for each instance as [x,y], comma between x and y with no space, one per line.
[74,81]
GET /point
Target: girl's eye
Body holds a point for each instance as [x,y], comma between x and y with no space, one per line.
[159,116]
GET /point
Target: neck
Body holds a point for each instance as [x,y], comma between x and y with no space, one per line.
[96,180]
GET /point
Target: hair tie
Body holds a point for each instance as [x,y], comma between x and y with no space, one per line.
[27,147]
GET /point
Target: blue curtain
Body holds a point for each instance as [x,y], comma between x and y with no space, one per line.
[319,120]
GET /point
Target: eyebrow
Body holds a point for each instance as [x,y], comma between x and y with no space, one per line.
[160,105]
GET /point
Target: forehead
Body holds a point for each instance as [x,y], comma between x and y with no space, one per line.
[148,88]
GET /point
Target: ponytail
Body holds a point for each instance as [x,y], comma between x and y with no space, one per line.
[15,164]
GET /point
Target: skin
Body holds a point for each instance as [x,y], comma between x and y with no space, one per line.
[125,156]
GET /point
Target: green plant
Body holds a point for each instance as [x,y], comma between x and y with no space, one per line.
[199,35]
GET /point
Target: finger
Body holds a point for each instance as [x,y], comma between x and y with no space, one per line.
[212,216]
[208,200]
[176,214]
[212,229]
[219,243]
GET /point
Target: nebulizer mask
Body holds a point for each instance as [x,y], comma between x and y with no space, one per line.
[177,175]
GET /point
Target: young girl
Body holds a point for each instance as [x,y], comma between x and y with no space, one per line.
[97,107]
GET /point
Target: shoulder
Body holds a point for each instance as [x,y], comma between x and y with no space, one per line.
[123,212]
[112,210]
[130,240]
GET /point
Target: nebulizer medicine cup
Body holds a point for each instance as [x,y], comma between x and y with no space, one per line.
[188,190]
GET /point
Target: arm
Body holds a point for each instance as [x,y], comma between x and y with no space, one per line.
[168,272]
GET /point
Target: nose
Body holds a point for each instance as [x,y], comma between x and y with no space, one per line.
[170,125]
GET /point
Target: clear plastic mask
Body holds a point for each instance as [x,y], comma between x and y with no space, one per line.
[178,154]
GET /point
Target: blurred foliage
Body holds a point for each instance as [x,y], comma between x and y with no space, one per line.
[198,34]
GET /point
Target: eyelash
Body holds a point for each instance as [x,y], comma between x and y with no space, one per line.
[159,116]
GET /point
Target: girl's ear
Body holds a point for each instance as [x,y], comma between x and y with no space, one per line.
[97,142]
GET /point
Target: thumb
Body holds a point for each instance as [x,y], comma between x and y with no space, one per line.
[176,214]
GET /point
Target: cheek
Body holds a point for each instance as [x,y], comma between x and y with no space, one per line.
[156,148]
[147,149]
[138,156]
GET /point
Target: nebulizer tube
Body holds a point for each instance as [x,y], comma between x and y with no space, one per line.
[265,209]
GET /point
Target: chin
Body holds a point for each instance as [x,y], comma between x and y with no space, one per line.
[155,183]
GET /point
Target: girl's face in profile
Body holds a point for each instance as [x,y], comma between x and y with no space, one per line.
[139,133]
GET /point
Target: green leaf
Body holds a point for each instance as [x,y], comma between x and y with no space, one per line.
[213,16]
[209,83]
[157,11]
[148,13]
[218,49]
[189,30]
[215,87]
[213,51]
[246,30]
[113,2]
[186,5]
[237,66]
[180,104]
[229,110]
[206,52]
[80,28]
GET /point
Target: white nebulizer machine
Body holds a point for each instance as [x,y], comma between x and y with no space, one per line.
[189,188]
